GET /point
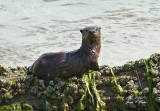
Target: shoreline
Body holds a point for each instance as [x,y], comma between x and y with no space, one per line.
[132,86]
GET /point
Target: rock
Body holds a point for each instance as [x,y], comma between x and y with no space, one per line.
[41,85]
[19,85]
[157,99]
[34,89]
[17,72]
[3,90]
[97,75]
[106,81]
[119,99]
[51,83]
[107,70]
[71,90]
[8,95]
[62,83]
[146,90]
[74,78]
[155,91]
[127,67]
[39,94]
[156,80]
[155,57]
[130,84]
[80,92]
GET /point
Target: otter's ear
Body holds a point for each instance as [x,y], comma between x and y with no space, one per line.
[81,31]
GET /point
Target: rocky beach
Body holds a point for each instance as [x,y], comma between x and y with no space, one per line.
[134,86]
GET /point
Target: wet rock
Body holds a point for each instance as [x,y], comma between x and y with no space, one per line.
[51,83]
[3,90]
[70,99]
[158,86]
[39,94]
[107,70]
[157,99]
[8,95]
[19,85]
[106,81]
[117,69]
[102,71]
[106,99]
[112,82]
[62,83]
[155,57]
[57,86]
[130,84]
[127,67]
[21,91]
[145,90]
[142,62]
[155,91]
[74,79]
[29,78]
[4,71]
[140,101]
[154,72]
[18,73]
[111,106]
[124,79]
[58,92]
[41,84]
[156,80]
[34,89]
[97,75]
[73,88]
[130,104]
[125,91]
[119,99]
[130,97]
[80,92]
[156,94]
[139,63]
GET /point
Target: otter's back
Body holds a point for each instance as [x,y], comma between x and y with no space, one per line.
[61,64]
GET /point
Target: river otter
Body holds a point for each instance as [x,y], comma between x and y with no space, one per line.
[67,64]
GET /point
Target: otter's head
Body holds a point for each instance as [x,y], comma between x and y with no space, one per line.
[91,34]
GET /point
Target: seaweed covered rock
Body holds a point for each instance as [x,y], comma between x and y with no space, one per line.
[133,86]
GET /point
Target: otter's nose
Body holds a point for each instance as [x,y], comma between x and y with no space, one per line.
[92,32]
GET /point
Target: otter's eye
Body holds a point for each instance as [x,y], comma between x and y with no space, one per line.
[86,30]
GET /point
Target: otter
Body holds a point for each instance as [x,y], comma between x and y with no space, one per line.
[74,63]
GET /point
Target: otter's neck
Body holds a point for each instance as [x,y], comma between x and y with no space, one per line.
[91,48]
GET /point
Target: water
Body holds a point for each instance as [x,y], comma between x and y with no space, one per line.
[29,28]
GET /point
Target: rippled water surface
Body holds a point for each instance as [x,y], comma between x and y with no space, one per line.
[29,28]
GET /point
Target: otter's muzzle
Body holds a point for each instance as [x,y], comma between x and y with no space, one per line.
[92,31]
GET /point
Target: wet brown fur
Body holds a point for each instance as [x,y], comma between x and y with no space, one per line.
[67,64]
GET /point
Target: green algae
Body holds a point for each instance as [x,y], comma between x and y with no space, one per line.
[65,101]
[91,99]
[119,91]
[152,105]
[48,107]
[16,107]
[118,88]
[149,79]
